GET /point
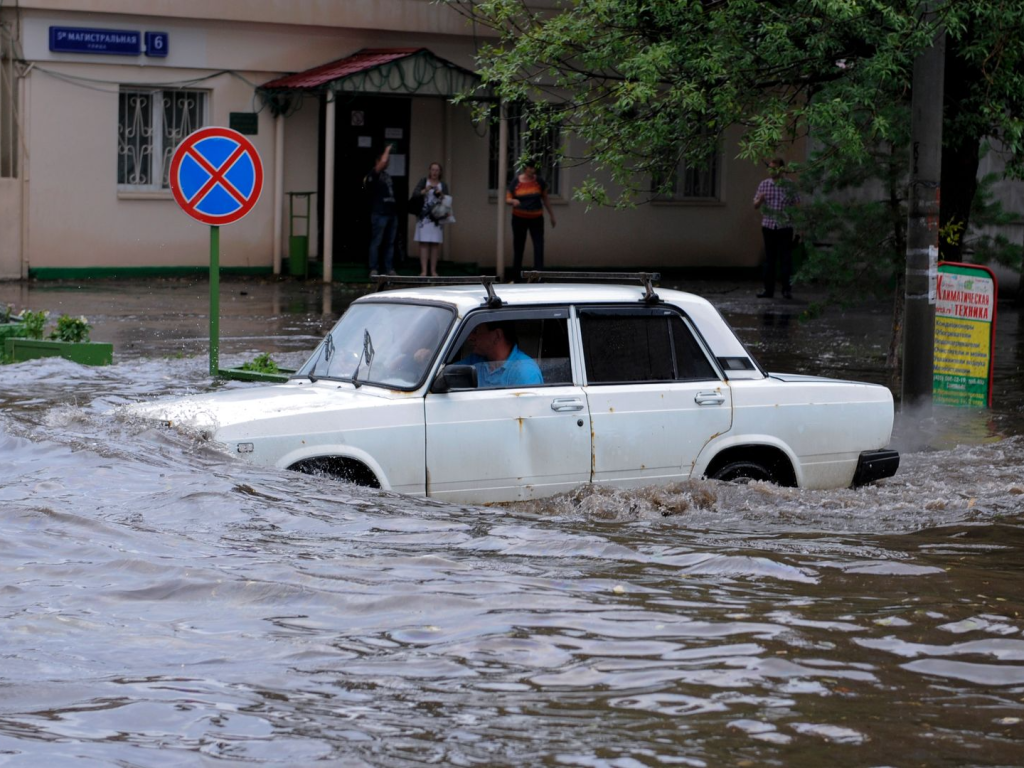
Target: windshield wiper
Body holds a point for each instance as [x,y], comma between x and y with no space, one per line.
[325,352]
[367,355]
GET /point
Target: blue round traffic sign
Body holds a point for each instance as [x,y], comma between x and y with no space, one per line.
[216,175]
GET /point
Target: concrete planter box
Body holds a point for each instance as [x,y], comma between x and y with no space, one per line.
[12,331]
[84,353]
[239,374]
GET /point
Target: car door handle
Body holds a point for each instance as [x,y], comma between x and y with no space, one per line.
[709,398]
[566,404]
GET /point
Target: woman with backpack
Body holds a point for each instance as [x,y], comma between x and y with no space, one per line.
[430,193]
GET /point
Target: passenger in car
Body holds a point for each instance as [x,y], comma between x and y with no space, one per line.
[414,350]
[495,354]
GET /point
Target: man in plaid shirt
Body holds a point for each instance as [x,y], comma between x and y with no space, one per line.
[776,228]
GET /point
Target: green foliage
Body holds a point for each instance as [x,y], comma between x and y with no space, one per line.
[6,312]
[34,323]
[262,363]
[951,232]
[983,241]
[854,215]
[71,329]
[645,84]
[986,39]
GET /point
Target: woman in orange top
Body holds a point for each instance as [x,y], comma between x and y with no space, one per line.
[528,196]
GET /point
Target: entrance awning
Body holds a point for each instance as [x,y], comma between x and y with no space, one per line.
[399,71]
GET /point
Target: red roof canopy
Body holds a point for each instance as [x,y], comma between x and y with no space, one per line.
[361,61]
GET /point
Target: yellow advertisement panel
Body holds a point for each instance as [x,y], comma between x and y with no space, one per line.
[965,313]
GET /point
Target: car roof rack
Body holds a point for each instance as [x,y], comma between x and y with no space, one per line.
[487,281]
[646,279]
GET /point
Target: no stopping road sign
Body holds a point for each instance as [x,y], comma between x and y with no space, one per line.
[216,175]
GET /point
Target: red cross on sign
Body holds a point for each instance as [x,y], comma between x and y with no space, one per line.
[216,175]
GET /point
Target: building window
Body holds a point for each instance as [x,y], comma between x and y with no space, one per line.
[692,182]
[542,148]
[150,126]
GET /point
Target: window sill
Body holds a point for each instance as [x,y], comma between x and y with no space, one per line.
[163,194]
[493,198]
[698,202]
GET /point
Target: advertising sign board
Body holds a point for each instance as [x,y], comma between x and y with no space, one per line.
[965,326]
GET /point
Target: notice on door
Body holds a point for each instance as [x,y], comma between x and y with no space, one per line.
[965,326]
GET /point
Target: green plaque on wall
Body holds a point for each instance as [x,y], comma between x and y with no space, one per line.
[246,123]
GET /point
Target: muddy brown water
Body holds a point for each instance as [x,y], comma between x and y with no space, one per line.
[162,604]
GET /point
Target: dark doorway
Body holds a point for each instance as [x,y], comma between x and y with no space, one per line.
[363,125]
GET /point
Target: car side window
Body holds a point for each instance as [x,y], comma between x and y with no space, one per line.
[629,346]
[516,350]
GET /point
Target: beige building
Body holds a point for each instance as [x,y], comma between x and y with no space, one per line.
[96,94]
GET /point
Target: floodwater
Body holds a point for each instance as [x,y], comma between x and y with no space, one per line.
[163,604]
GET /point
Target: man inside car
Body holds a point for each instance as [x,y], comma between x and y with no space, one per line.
[498,359]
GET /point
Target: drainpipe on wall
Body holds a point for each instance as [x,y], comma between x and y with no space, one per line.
[278,190]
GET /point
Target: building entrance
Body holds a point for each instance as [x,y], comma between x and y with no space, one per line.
[364,125]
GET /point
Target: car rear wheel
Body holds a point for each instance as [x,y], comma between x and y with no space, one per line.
[743,472]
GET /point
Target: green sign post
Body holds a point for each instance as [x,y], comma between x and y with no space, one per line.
[965,328]
[216,177]
[214,300]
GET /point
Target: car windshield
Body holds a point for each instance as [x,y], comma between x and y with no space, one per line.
[383,343]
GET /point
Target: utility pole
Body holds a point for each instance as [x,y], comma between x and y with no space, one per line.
[923,221]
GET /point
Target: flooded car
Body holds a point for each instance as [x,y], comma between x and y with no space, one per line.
[477,393]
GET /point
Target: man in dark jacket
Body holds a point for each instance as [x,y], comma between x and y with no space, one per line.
[383,213]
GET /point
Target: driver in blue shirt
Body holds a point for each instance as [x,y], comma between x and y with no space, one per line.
[497,358]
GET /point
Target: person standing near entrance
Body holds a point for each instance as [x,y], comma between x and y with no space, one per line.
[775,195]
[383,213]
[528,196]
[429,234]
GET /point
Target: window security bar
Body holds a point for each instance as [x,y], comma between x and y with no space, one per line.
[646,279]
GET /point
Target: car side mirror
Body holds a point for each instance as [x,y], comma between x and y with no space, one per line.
[454,377]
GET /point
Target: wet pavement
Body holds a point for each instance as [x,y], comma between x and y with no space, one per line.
[164,604]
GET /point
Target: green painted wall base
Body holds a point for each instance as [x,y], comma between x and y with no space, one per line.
[358,272]
[136,273]
[84,353]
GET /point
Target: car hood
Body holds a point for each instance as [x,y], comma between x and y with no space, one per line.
[214,413]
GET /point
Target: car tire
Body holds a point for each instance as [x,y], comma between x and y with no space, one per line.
[743,472]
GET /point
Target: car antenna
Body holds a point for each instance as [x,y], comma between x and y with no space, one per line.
[646,279]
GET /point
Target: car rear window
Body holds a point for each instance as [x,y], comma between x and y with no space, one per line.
[629,346]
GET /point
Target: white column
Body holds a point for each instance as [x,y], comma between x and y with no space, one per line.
[278,191]
[328,222]
[499,261]
[24,166]
[449,170]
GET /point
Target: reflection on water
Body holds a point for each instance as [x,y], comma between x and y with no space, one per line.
[164,604]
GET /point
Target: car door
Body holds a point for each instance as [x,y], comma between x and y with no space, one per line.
[504,443]
[655,396]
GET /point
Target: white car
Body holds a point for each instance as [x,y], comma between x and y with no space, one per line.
[611,384]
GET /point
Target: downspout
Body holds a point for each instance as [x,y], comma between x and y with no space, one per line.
[278,191]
